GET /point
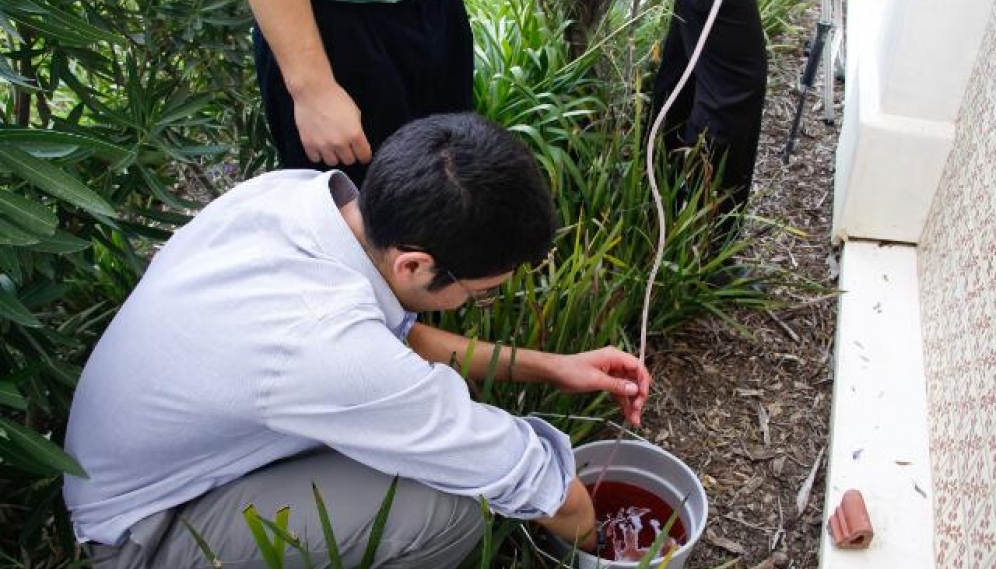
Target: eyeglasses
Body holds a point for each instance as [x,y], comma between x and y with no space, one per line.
[482,298]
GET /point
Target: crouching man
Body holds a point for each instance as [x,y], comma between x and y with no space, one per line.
[272,343]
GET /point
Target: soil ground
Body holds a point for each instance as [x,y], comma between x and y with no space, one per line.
[751,414]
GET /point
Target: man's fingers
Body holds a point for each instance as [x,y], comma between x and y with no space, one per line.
[630,411]
[313,153]
[345,155]
[621,387]
[361,149]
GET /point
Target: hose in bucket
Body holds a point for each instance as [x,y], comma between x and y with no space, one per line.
[659,204]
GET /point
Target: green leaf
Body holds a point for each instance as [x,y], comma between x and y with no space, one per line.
[10,263]
[658,543]
[200,150]
[59,24]
[259,535]
[40,508]
[41,449]
[53,180]
[11,397]
[29,214]
[162,216]
[13,455]
[335,559]
[492,371]
[377,531]
[11,234]
[280,538]
[66,373]
[34,140]
[281,533]
[487,545]
[60,243]
[160,190]
[8,26]
[12,309]
[183,106]
[216,5]
[202,544]
[8,74]
[38,296]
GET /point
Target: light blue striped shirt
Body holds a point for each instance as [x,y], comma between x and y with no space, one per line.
[260,330]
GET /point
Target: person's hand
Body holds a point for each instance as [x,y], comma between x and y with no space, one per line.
[329,124]
[608,369]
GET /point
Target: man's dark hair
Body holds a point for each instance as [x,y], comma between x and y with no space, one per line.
[462,189]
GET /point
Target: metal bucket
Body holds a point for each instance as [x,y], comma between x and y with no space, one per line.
[649,467]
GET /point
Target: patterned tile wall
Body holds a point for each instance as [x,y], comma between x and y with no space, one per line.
[957,266]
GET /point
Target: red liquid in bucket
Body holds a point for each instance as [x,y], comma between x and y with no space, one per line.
[632,518]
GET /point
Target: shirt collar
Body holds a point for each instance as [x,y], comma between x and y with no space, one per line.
[332,190]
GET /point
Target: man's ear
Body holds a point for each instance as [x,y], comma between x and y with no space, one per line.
[412,267]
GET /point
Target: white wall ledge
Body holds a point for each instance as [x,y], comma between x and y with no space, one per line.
[879,434]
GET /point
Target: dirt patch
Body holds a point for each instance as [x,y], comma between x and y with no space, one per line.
[751,415]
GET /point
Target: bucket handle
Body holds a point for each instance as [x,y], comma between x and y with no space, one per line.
[538,549]
[602,420]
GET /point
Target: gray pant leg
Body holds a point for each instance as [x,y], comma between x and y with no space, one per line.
[426,528]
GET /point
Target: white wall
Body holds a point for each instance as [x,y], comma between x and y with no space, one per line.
[909,62]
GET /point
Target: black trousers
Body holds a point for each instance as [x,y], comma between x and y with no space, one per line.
[724,97]
[398,61]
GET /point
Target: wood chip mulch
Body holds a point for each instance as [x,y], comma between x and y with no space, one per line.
[751,414]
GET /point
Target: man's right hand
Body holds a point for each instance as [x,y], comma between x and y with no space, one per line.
[329,124]
[327,119]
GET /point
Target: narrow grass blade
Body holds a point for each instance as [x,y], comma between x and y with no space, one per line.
[279,542]
[468,356]
[491,372]
[667,559]
[266,550]
[335,560]
[280,532]
[202,544]
[487,542]
[658,543]
[377,531]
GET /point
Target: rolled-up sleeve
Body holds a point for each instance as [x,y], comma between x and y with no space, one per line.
[352,385]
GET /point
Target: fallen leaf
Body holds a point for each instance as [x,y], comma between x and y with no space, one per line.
[757,454]
[708,482]
[802,498]
[762,419]
[778,465]
[833,266]
[725,543]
